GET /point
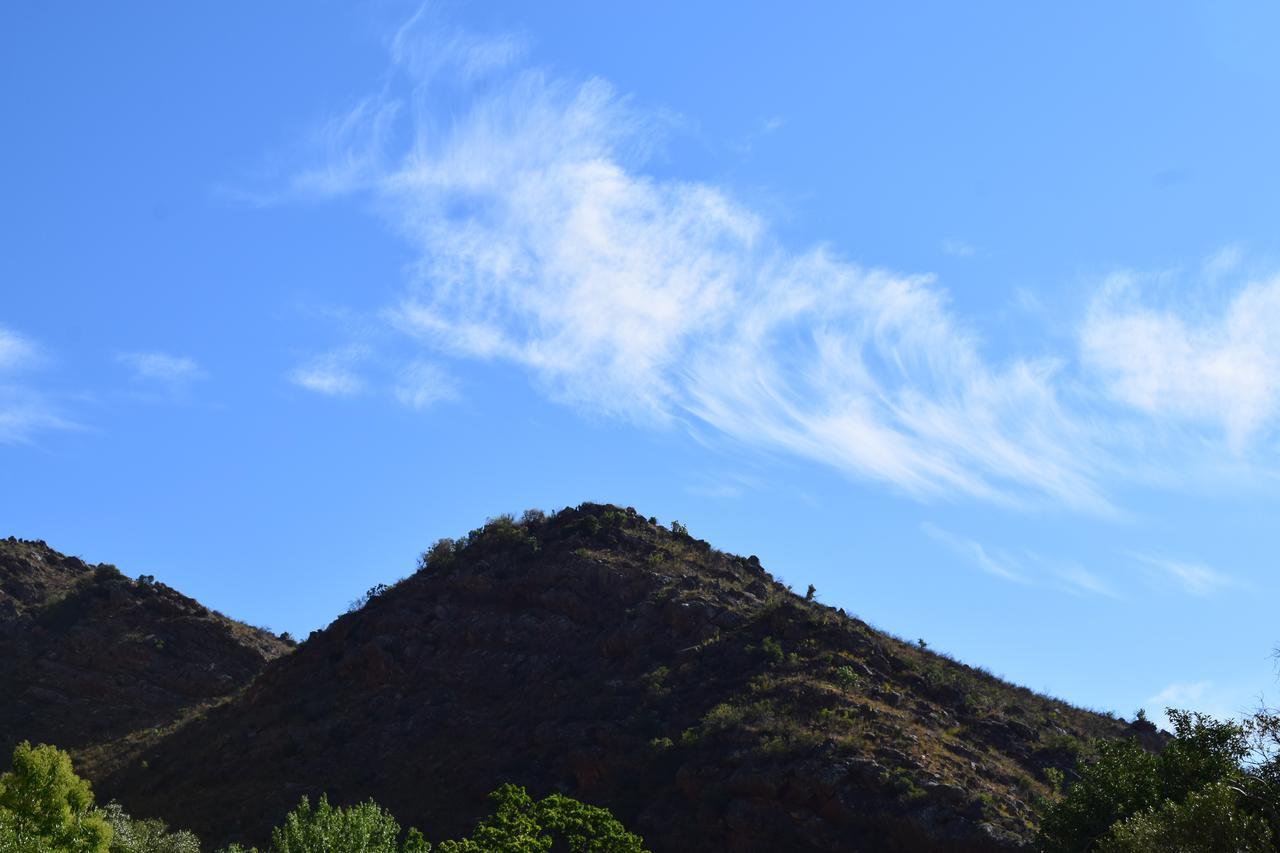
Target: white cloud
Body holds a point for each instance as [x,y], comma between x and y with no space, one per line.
[998,565]
[1219,367]
[1221,701]
[426,48]
[161,367]
[421,384]
[332,374]
[15,350]
[722,485]
[958,249]
[1193,578]
[25,410]
[1082,580]
[541,242]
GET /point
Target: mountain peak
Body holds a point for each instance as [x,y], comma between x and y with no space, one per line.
[596,653]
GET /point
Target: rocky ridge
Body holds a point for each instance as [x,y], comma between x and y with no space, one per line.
[597,653]
[97,663]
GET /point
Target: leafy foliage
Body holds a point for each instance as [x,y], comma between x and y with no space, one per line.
[46,808]
[1207,821]
[520,824]
[1212,788]
[362,828]
[145,836]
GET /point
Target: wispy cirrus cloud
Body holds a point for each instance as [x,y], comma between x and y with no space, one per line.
[1213,361]
[996,565]
[333,374]
[421,384]
[15,350]
[1079,579]
[24,412]
[358,369]
[25,409]
[162,367]
[1222,701]
[1193,578]
[542,240]
[958,249]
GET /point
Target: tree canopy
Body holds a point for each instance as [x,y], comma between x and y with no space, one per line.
[1212,788]
[45,806]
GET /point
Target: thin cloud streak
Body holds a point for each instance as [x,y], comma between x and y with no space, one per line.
[15,350]
[974,553]
[422,384]
[1081,579]
[162,367]
[25,410]
[1194,578]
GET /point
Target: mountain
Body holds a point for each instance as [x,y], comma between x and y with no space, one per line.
[599,654]
[98,664]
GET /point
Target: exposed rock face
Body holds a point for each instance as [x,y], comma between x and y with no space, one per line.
[601,655]
[89,657]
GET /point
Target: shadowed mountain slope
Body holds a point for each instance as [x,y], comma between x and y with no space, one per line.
[92,661]
[599,654]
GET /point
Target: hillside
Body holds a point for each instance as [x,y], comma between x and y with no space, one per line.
[98,663]
[597,653]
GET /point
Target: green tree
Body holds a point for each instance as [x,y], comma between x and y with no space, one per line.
[362,828]
[1207,821]
[46,808]
[1211,788]
[520,824]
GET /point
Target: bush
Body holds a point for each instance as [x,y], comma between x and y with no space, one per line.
[439,555]
[845,677]
[498,534]
[772,650]
[145,836]
[370,594]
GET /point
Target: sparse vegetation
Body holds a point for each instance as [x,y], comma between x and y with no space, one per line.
[369,595]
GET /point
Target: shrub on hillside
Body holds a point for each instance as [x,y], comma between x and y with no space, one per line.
[439,555]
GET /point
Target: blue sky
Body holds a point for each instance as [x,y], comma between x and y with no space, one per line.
[964,315]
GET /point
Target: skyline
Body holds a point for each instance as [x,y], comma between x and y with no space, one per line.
[981,343]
